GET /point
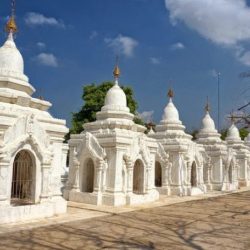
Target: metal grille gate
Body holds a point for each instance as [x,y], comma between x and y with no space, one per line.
[193,175]
[138,178]
[22,180]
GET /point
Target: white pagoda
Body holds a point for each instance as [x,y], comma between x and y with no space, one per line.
[32,152]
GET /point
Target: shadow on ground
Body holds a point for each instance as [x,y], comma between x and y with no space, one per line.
[215,223]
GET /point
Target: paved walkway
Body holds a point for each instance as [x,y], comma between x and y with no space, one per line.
[214,223]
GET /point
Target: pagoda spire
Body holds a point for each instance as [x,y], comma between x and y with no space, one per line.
[207,107]
[116,71]
[170,93]
[232,117]
[11,26]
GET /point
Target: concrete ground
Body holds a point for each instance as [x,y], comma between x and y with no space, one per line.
[217,222]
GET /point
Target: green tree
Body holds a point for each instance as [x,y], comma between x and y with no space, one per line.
[93,97]
[194,134]
[243,133]
[223,133]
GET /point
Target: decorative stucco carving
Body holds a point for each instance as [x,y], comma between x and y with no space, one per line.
[162,155]
[144,151]
[89,144]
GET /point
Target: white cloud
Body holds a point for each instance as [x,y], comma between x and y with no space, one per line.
[93,34]
[146,116]
[41,45]
[155,60]
[122,45]
[245,58]
[178,46]
[242,55]
[224,22]
[47,59]
[33,19]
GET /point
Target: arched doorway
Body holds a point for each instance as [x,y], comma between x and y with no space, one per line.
[88,176]
[138,178]
[158,174]
[193,175]
[230,173]
[22,191]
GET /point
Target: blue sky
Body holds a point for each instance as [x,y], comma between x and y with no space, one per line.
[66,44]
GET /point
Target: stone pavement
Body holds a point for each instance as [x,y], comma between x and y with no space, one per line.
[221,222]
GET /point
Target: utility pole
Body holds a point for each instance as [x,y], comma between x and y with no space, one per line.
[218,83]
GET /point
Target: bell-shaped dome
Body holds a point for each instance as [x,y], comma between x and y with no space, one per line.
[233,133]
[11,60]
[208,124]
[171,114]
[115,99]
[116,96]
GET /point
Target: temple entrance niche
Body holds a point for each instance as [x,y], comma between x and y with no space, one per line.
[88,176]
[138,178]
[194,175]
[23,181]
[230,173]
[158,174]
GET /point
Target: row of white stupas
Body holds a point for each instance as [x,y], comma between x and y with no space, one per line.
[113,162]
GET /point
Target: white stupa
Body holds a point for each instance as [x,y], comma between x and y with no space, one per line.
[32,152]
[242,155]
[216,152]
[171,123]
[233,134]
[208,124]
[111,160]
[182,152]
[171,114]
[115,99]
[11,60]
[208,133]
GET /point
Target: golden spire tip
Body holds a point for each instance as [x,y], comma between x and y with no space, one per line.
[11,24]
[170,93]
[116,71]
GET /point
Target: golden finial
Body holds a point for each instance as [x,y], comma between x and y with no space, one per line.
[170,93]
[11,24]
[207,107]
[116,71]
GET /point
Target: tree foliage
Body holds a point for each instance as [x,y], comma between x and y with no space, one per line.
[93,97]
[194,134]
[243,133]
